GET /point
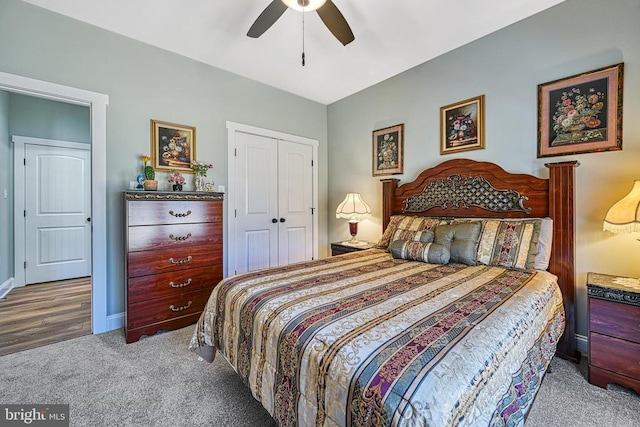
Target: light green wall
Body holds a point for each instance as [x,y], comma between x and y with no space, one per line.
[145,83]
[6,228]
[43,118]
[571,38]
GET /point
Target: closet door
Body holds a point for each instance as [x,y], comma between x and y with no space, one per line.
[256,200]
[295,202]
[273,199]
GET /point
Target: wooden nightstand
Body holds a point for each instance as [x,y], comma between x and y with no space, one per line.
[339,248]
[614,330]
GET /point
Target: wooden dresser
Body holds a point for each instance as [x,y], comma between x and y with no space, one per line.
[614,330]
[173,258]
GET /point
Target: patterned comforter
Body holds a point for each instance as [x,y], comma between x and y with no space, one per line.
[363,339]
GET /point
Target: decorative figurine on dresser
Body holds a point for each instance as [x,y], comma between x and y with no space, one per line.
[614,330]
[173,258]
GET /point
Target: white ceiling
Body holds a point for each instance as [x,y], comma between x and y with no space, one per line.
[391,36]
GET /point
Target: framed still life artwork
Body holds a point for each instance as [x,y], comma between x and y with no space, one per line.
[462,126]
[387,150]
[173,146]
[581,113]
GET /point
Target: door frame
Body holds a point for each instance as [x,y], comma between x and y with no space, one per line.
[232,128]
[19,222]
[97,103]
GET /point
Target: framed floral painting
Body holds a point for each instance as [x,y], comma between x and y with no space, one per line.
[462,126]
[173,146]
[387,151]
[581,113]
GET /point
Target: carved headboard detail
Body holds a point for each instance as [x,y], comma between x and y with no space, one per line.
[457,191]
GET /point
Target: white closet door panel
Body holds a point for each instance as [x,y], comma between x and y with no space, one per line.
[295,183]
[256,200]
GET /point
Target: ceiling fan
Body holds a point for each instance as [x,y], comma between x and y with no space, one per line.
[328,12]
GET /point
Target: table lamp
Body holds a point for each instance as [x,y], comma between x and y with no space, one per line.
[624,216]
[354,209]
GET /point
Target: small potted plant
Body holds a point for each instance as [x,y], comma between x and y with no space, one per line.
[150,183]
[177,180]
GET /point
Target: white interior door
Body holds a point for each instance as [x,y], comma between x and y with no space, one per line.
[272,197]
[57,213]
[256,201]
[295,202]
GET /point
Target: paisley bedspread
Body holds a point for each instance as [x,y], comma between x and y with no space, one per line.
[363,339]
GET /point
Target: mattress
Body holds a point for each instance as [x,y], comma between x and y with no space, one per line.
[364,339]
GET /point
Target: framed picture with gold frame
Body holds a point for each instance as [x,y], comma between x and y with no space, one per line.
[462,126]
[388,157]
[173,146]
[581,113]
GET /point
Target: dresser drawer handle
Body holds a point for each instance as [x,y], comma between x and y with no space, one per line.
[180,285]
[184,307]
[180,261]
[180,215]
[179,238]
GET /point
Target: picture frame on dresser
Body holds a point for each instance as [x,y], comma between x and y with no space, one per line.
[173,146]
[581,113]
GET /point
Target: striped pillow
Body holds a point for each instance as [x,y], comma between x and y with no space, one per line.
[406,227]
[433,253]
[511,244]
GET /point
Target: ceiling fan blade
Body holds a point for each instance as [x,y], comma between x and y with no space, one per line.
[267,18]
[335,22]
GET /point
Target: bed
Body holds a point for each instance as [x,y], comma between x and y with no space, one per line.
[437,326]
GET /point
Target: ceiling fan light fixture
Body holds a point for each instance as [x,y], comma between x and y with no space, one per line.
[304,5]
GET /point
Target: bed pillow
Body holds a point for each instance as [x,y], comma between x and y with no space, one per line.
[405,227]
[543,256]
[462,239]
[509,243]
[413,250]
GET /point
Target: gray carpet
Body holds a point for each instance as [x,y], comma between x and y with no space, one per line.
[157,382]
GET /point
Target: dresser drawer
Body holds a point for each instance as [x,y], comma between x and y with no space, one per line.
[162,309]
[172,212]
[162,285]
[172,259]
[148,237]
[616,355]
[614,319]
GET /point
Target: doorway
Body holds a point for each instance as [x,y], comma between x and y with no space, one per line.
[52,210]
[97,104]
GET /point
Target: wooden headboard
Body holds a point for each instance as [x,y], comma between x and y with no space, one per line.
[467,188]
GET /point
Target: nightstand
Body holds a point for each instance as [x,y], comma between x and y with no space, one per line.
[339,248]
[614,330]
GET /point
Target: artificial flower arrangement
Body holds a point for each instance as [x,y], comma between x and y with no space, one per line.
[200,168]
[176,178]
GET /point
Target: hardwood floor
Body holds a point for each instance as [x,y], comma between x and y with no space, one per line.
[37,315]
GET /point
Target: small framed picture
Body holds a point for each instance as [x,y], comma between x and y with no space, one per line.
[462,126]
[387,150]
[581,113]
[173,146]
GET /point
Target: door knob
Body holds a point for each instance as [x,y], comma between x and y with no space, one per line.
[88,219]
[282,220]
[274,220]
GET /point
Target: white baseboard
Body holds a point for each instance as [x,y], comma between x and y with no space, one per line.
[115,321]
[582,343]
[6,287]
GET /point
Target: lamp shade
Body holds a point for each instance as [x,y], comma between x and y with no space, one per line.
[353,208]
[304,5]
[624,216]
